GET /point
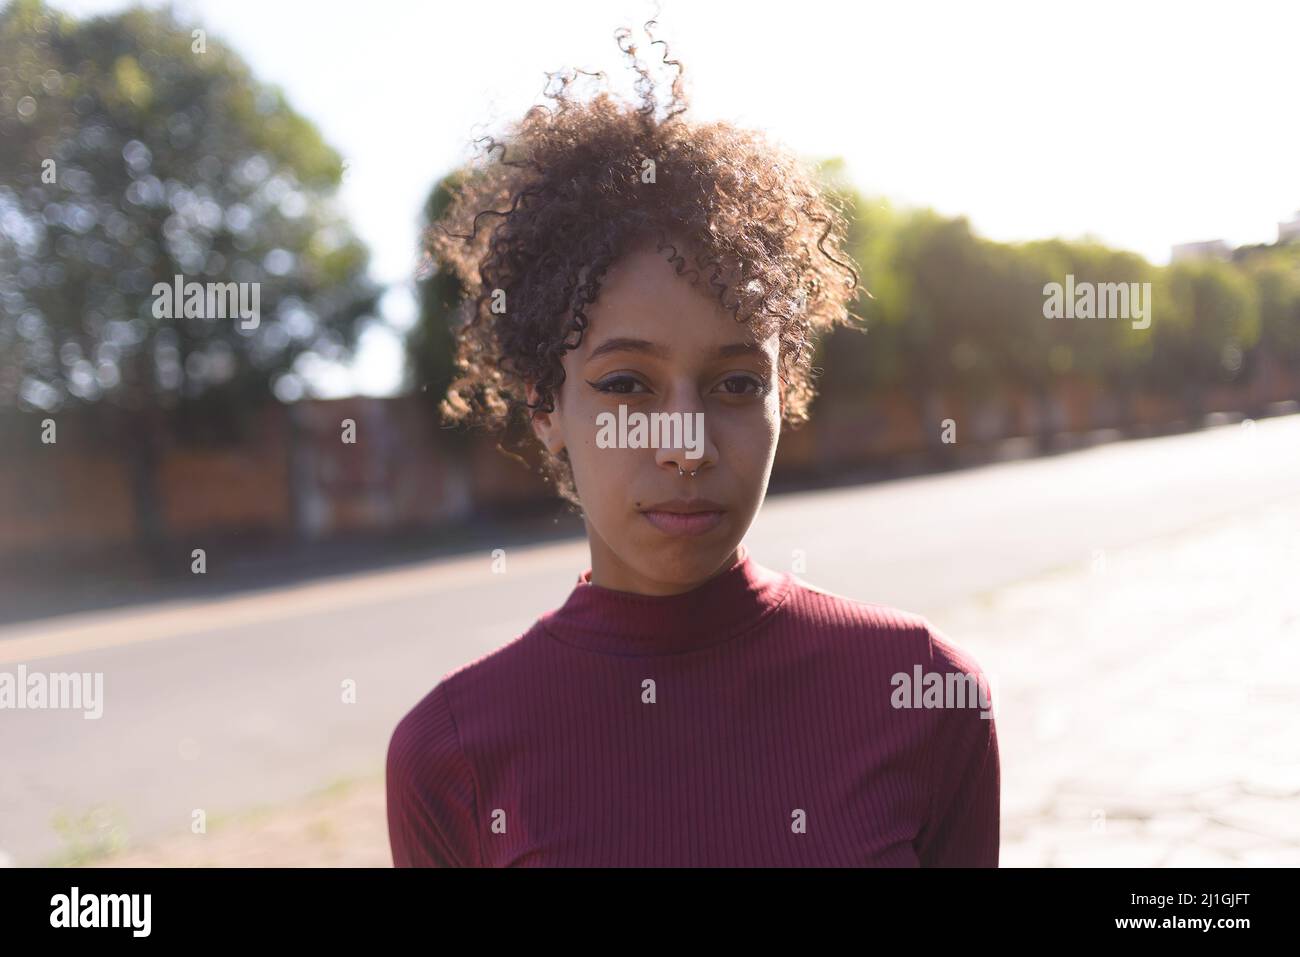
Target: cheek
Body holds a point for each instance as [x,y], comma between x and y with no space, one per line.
[772,415]
[764,444]
[594,467]
[748,441]
[580,431]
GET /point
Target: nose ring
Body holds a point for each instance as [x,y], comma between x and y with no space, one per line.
[681,471]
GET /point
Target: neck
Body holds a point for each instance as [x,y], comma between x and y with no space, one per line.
[726,605]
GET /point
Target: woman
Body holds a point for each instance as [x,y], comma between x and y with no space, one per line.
[685,705]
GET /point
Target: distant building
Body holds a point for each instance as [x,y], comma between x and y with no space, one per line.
[1211,249]
[1289,232]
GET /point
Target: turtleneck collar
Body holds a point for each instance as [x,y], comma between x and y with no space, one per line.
[625,623]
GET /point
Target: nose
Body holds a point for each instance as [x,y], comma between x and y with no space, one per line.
[688,468]
[696,451]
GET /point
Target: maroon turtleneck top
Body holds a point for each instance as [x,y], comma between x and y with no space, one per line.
[753,721]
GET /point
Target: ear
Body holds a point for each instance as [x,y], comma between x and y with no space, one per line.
[547,426]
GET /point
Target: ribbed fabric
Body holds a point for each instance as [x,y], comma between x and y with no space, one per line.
[751,721]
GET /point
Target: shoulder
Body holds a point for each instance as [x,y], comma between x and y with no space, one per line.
[881,632]
[441,730]
[436,719]
[427,728]
[425,759]
[428,739]
[807,593]
[837,616]
[932,679]
[431,791]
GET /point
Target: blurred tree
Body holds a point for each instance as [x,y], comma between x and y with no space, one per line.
[1211,319]
[135,148]
[951,293]
[857,362]
[1275,272]
[1108,353]
[430,348]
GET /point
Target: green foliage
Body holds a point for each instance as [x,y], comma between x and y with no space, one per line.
[1275,272]
[1211,319]
[167,157]
[430,348]
[955,312]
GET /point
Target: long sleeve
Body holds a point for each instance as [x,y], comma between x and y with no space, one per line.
[963,829]
[431,792]
[770,697]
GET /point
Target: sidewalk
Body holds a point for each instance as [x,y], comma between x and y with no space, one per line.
[1146,704]
[1146,701]
[344,825]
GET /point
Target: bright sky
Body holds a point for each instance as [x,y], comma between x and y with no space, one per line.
[1141,124]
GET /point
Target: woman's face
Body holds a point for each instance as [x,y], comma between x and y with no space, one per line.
[657,344]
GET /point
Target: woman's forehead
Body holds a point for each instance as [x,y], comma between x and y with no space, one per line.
[698,338]
[644,289]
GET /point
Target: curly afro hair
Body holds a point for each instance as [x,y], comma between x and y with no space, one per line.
[578,186]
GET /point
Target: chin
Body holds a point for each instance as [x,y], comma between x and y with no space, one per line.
[683,561]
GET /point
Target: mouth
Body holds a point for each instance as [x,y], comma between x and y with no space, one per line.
[683,518]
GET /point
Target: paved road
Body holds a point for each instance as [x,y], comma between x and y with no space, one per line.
[237,702]
[1151,724]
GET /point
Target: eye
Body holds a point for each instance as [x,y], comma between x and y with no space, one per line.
[616,384]
[740,381]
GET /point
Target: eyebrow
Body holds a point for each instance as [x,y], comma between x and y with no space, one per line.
[627,344]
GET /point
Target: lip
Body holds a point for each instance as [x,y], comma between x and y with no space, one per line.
[679,516]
